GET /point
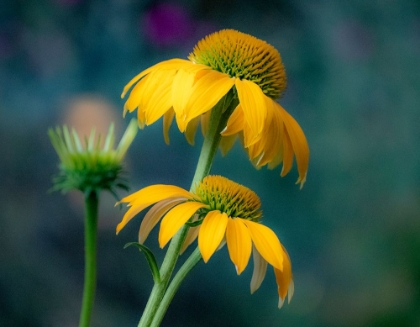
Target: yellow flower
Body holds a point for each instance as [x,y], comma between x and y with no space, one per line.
[225,66]
[220,211]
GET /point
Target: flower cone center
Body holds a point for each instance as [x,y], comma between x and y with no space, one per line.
[243,56]
[229,197]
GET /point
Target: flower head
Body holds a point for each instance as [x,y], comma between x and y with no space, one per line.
[238,69]
[90,167]
[220,211]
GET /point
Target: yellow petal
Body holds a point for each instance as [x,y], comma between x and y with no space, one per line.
[249,136]
[175,219]
[159,99]
[168,117]
[299,143]
[155,193]
[205,119]
[260,269]
[267,243]
[191,236]
[191,130]
[154,215]
[253,104]
[207,91]
[136,94]
[284,279]
[239,243]
[181,91]
[211,233]
[168,64]
[287,154]
[147,196]
[235,123]
[273,136]
[226,143]
[257,148]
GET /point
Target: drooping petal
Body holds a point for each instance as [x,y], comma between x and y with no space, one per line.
[159,99]
[260,269]
[287,154]
[205,120]
[255,150]
[248,136]
[267,243]
[191,236]
[191,130]
[175,219]
[181,91]
[253,104]
[207,91]
[154,215]
[226,143]
[273,137]
[136,94]
[141,119]
[147,196]
[299,144]
[284,279]
[235,122]
[211,233]
[239,243]
[168,117]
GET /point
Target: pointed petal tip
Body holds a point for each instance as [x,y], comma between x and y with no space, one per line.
[301,180]
[291,291]
[281,302]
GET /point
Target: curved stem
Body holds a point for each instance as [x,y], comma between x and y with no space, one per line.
[91,219]
[218,119]
[188,265]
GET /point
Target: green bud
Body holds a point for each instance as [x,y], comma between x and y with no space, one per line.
[90,168]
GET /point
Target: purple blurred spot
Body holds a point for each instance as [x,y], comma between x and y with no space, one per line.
[168,24]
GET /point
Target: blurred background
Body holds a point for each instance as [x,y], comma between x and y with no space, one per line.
[353,231]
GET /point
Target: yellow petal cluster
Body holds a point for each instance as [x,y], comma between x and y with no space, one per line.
[225,62]
[227,212]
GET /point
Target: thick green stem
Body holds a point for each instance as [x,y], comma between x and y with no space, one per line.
[91,220]
[165,274]
[188,265]
[218,119]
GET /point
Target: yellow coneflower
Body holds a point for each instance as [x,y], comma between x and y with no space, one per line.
[224,63]
[224,212]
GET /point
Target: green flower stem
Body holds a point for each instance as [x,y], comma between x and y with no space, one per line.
[188,265]
[218,119]
[91,220]
[159,289]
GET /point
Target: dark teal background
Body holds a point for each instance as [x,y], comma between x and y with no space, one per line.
[352,232]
